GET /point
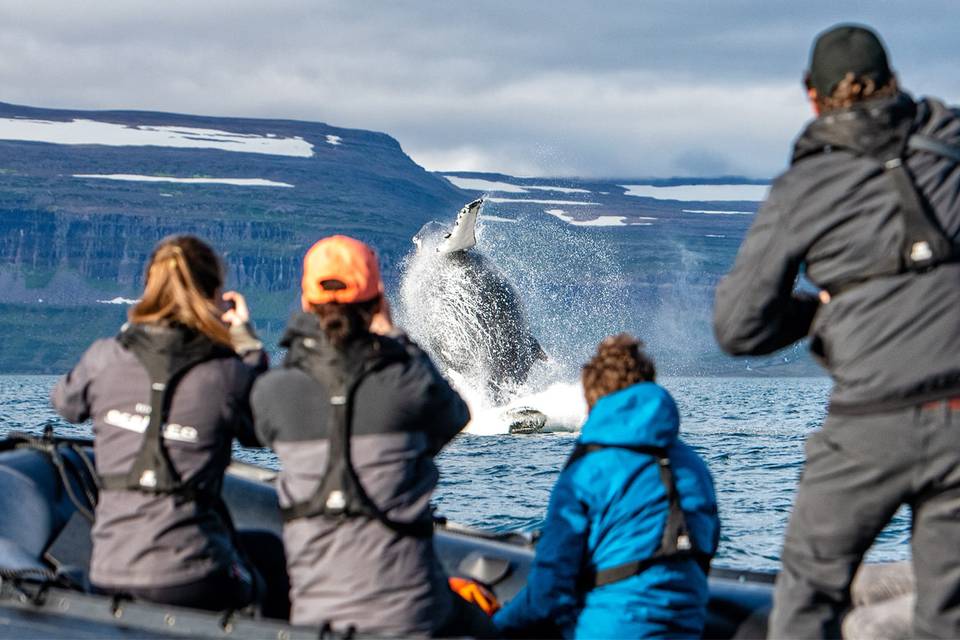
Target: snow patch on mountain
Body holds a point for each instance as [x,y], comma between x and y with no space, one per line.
[557,189]
[701,192]
[535,201]
[600,221]
[82,131]
[718,212]
[239,182]
[479,184]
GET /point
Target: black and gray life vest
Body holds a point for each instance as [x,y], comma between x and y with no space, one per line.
[340,494]
[152,470]
[925,243]
[676,543]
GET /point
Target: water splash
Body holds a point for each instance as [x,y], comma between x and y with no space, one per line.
[572,289]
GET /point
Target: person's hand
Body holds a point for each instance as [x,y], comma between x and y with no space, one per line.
[382,322]
[238,313]
[824,296]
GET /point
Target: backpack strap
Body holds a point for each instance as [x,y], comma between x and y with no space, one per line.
[152,470]
[925,243]
[920,142]
[340,494]
[676,543]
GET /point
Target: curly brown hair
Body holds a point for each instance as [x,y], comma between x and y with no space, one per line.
[853,90]
[619,363]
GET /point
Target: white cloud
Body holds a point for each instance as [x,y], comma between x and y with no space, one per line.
[659,88]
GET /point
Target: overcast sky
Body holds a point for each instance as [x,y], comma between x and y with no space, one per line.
[547,87]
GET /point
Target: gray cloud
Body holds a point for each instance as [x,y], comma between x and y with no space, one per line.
[651,88]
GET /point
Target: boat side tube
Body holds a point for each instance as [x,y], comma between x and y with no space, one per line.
[42,530]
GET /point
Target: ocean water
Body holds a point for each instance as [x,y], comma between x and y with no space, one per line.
[750,431]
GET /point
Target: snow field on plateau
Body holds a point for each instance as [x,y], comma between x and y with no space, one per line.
[238,182]
[80,131]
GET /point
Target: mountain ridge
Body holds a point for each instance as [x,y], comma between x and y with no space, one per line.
[78,222]
[67,243]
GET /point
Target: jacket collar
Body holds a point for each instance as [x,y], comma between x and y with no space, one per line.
[304,338]
[877,128]
[165,349]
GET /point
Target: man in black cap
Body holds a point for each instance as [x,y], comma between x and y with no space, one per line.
[869,210]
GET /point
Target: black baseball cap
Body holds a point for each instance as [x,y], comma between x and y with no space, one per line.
[844,49]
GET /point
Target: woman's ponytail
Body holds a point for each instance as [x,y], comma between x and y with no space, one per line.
[183,278]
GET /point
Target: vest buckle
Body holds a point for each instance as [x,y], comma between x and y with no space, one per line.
[921,251]
[148,479]
[336,502]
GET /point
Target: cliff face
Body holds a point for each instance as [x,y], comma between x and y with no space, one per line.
[70,243]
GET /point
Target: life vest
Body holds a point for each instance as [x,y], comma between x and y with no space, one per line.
[340,494]
[152,470]
[925,244]
[676,543]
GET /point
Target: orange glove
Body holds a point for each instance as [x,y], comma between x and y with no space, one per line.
[473,591]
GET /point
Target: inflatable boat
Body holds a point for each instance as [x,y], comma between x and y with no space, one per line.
[46,495]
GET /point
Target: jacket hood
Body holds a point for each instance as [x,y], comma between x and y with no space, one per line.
[302,325]
[641,415]
[876,127]
[304,338]
[164,350]
[162,338]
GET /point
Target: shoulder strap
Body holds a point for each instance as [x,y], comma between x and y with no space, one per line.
[925,243]
[340,493]
[675,542]
[152,470]
[920,142]
[581,450]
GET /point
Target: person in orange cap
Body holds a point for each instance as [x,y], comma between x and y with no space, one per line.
[356,415]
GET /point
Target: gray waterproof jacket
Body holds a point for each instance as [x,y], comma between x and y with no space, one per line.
[357,571]
[144,540]
[891,341]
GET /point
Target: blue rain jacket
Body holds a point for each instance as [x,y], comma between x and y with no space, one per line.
[609,508]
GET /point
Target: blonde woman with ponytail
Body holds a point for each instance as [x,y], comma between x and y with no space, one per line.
[167,397]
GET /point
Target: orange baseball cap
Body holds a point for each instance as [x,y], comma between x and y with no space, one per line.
[340,269]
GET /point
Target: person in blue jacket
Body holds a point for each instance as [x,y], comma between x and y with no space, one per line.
[632,521]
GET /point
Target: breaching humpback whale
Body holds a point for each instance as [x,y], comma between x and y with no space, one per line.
[467,314]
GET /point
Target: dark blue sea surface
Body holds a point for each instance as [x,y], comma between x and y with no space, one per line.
[750,431]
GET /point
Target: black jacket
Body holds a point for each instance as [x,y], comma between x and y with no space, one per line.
[358,571]
[893,341]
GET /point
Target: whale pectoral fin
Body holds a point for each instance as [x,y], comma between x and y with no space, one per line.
[463,235]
